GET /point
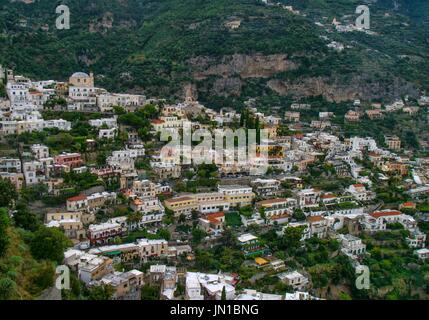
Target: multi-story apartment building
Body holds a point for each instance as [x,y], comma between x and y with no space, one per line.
[77,203]
[182,205]
[58,216]
[378,220]
[166,170]
[91,202]
[94,269]
[393,142]
[148,189]
[359,192]
[124,159]
[98,200]
[318,226]
[211,202]
[294,279]
[40,151]
[202,286]
[142,249]
[308,197]
[17,93]
[168,122]
[292,116]
[351,245]
[70,160]
[237,195]
[107,133]
[106,101]
[73,228]
[266,188]
[17,179]
[279,209]
[104,232]
[11,165]
[126,285]
[89,267]
[36,171]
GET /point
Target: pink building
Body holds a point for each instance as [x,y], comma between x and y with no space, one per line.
[72,160]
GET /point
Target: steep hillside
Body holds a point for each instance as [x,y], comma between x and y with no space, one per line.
[228,50]
[21,276]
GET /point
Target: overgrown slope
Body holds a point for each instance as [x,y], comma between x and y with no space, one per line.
[158,47]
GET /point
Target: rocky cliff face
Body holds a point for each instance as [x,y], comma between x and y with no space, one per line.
[244,66]
[338,89]
[230,74]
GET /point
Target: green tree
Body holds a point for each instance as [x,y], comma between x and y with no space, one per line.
[291,239]
[49,243]
[134,217]
[101,159]
[149,292]
[119,110]
[25,219]
[104,292]
[43,277]
[164,234]
[298,215]
[4,224]
[198,235]
[262,212]
[8,193]
[7,287]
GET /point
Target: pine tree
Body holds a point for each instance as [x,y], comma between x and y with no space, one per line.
[223,297]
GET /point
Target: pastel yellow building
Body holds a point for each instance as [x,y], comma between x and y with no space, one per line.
[182,205]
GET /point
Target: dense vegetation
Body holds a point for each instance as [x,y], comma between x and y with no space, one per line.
[29,251]
[154,46]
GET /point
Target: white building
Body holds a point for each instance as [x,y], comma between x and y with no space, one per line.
[294,279]
[359,192]
[352,246]
[108,122]
[201,286]
[107,133]
[40,151]
[422,253]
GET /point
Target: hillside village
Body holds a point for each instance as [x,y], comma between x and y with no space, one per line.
[88,162]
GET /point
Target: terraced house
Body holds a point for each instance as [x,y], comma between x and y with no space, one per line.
[279,209]
[251,246]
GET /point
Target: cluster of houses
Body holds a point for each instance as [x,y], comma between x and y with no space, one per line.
[377,111]
[150,198]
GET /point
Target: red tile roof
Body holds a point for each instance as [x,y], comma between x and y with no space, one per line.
[315,219]
[215,215]
[157,121]
[408,204]
[77,198]
[328,196]
[271,201]
[378,214]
